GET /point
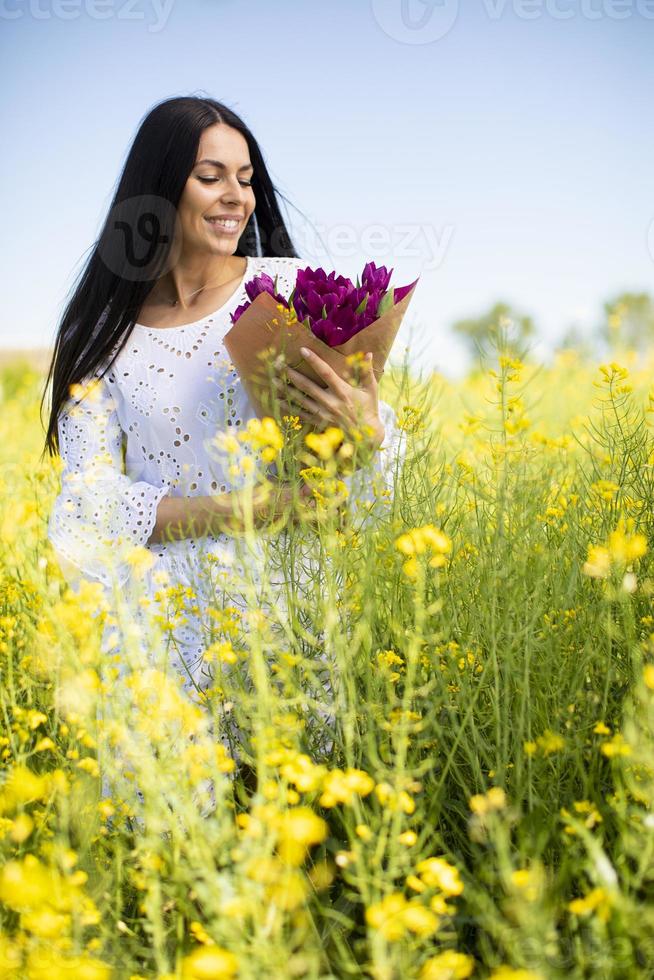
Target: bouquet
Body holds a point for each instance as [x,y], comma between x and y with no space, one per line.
[329,314]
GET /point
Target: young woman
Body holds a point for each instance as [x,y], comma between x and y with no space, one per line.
[141,381]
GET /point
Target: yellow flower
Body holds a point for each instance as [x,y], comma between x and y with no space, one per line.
[419,920]
[299,770]
[387,660]
[297,830]
[621,549]
[613,372]
[648,676]
[224,761]
[616,746]
[11,958]
[221,650]
[394,800]
[597,901]
[448,965]
[45,922]
[437,873]
[527,881]
[598,563]
[22,786]
[326,489]
[624,548]
[141,559]
[289,891]
[409,419]
[21,828]
[325,444]
[209,963]
[387,916]
[265,436]
[606,489]
[229,443]
[593,816]
[200,934]
[35,718]
[410,567]
[494,799]
[511,364]
[550,742]
[29,885]
[509,973]
[45,744]
[88,764]
[53,966]
[90,389]
[419,539]
[439,905]
[422,541]
[343,786]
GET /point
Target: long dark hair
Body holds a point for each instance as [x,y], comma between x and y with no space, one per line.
[113,285]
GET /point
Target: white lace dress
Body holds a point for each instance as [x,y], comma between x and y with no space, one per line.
[148,432]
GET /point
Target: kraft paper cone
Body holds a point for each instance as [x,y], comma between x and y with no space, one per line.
[262,334]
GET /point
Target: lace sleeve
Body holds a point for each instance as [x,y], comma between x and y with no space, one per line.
[99,513]
[375,483]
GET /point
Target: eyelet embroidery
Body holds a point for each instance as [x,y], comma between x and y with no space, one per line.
[180,350]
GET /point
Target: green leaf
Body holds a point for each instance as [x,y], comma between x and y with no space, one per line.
[386,302]
[362,305]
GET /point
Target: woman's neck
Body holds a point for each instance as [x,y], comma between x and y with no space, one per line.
[187,283]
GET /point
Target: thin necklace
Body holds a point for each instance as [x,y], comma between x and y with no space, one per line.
[174,302]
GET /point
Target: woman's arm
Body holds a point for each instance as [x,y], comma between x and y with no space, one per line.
[99,514]
[225,513]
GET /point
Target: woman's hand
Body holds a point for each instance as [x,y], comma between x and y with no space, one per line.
[285,504]
[340,404]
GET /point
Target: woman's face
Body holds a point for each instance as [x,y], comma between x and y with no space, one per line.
[218,187]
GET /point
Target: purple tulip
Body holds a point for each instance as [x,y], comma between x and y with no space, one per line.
[315,291]
[331,305]
[401,291]
[259,284]
[374,279]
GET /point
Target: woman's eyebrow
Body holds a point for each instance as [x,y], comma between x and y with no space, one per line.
[217,163]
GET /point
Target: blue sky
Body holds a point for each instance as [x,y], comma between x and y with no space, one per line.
[496,149]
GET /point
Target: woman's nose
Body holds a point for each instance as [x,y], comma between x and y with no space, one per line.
[233,192]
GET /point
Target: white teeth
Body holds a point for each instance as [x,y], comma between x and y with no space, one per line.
[225,222]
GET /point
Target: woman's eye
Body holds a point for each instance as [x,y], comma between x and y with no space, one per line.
[211,180]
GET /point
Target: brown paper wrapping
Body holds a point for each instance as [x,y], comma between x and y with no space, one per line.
[262,334]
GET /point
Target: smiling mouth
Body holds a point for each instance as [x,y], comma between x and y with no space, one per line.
[227,224]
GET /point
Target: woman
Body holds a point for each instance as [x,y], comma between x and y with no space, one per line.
[194,209]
